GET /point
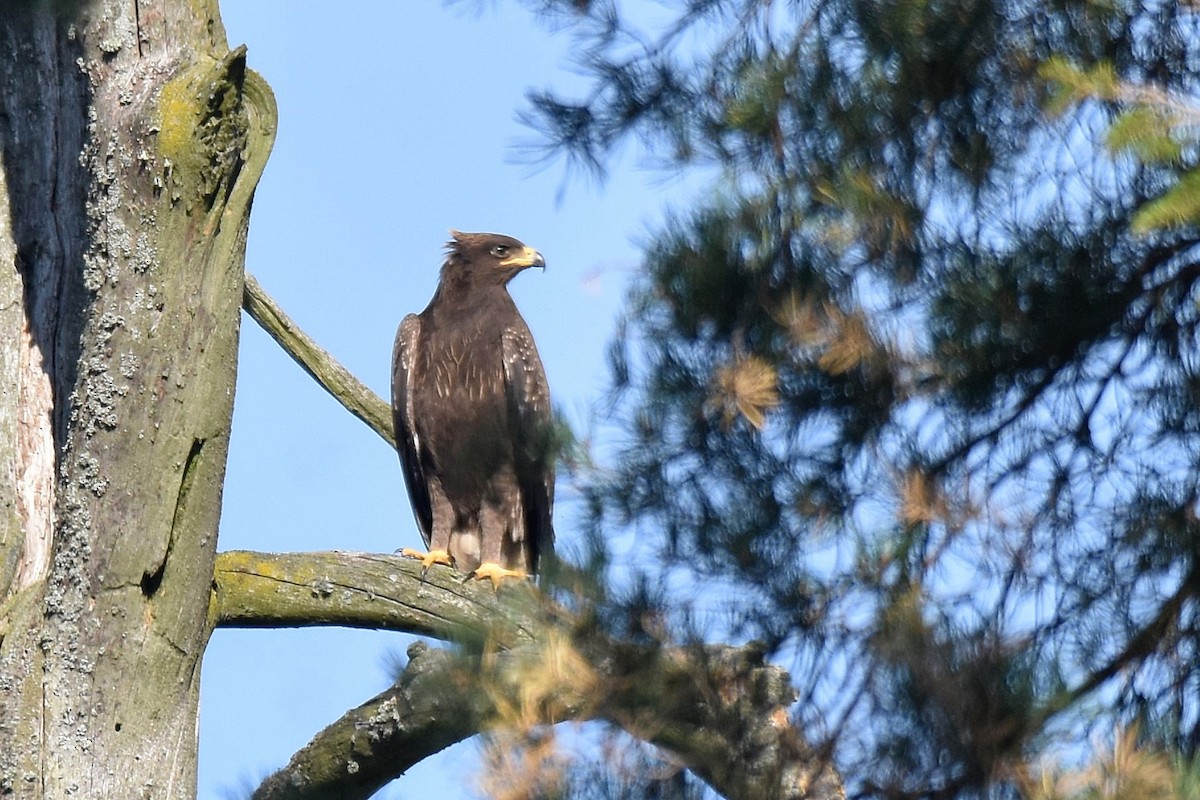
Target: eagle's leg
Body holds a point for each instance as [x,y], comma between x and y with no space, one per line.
[492,551]
[439,540]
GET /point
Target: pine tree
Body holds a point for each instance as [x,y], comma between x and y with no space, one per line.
[914,400]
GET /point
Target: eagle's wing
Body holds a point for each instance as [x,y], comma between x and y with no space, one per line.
[408,442]
[529,413]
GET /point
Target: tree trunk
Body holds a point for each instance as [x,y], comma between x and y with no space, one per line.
[131,140]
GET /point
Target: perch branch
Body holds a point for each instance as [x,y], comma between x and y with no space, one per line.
[721,710]
[367,590]
[348,390]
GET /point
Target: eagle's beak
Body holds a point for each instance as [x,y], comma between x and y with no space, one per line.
[532,258]
[526,258]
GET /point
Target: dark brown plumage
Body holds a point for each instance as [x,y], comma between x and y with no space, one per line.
[472,415]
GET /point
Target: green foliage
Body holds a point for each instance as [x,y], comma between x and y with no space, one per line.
[1071,85]
[914,399]
[1177,207]
[1145,133]
[1152,125]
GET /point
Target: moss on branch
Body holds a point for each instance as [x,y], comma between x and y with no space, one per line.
[368,590]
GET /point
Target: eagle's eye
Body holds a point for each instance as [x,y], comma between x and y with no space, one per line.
[500,250]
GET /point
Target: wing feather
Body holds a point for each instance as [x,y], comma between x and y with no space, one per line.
[528,397]
[408,440]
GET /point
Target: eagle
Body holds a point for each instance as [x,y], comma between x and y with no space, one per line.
[472,416]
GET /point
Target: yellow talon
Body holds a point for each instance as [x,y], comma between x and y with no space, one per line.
[428,559]
[495,573]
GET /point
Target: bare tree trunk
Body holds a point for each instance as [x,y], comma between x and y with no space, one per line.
[131,139]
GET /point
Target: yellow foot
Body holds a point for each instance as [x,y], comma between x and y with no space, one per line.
[428,559]
[495,573]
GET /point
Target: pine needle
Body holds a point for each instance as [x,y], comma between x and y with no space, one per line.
[747,386]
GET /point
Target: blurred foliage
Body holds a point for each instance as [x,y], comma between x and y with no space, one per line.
[1130,770]
[625,768]
[913,394]
[1152,125]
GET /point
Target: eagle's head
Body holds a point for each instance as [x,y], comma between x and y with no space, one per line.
[487,258]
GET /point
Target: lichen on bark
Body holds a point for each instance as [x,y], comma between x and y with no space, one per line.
[127,272]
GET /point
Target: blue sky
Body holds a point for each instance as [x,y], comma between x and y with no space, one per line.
[397,121]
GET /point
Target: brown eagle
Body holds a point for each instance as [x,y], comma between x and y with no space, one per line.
[472,413]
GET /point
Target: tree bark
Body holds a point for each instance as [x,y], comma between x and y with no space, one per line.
[132,139]
[369,590]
